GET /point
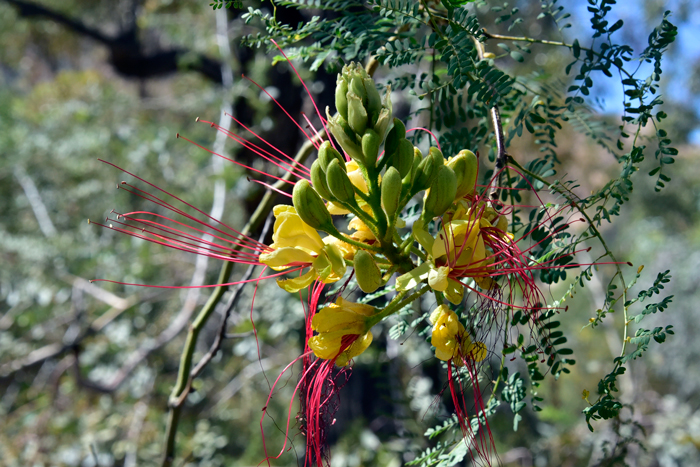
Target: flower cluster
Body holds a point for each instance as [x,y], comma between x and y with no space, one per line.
[459,246]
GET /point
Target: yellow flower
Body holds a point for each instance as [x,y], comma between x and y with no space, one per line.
[460,245]
[451,340]
[338,323]
[297,244]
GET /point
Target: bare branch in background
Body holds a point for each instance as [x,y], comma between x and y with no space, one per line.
[38,356]
[127,54]
[35,201]
[221,334]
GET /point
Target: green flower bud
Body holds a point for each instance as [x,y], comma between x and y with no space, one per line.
[403,159]
[396,134]
[436,154]
[339,184]
[465,167]
[357,86]
[391,192]
[367,273]
[311,208]
[357,115]
[382,123]
[408,179]
[426,172]
[318,179]
[345,136]
[341,101]
[441,194]
[370,147]
[326,153]
[374,102]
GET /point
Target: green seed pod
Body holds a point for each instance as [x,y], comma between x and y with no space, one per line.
[318,179]
[465,167]
[367,273]
[391,192]
[357,115]
[345,136]
[396,134]
[374,102]
[311,207]
[341,101]
[370,147]
[441,194]
[403,159]
[326,153]
[339,184]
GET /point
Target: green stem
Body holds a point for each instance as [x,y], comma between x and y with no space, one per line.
[531,40]
[355,243]
[395,305]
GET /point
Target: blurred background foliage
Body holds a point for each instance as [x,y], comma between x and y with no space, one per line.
[86,369]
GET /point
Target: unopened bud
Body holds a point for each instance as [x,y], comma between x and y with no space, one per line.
[318,178]
[427,170]
[345,136]
[408,180]
[374,102]
[341,101]
[403,159]
[311,208]
[391,192]
[465,167]
[357,115]
[441,194]
[436,154]
[370,147]
[357,86]
[367,273]
[396,134]
[383,122]
[326,153]
[339,184]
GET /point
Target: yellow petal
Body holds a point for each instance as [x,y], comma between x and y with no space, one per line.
[334,318]
[284,258]
[347,250]
[477,351]
[355,176]
[437,278]
[291,231]
[455,237]
[437,313]
[297,283]
[423,236]
[324,348]
[454,291]
[336,210]
[359,308]
[355,349]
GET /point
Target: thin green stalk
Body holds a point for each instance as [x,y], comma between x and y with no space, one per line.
[396,304]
